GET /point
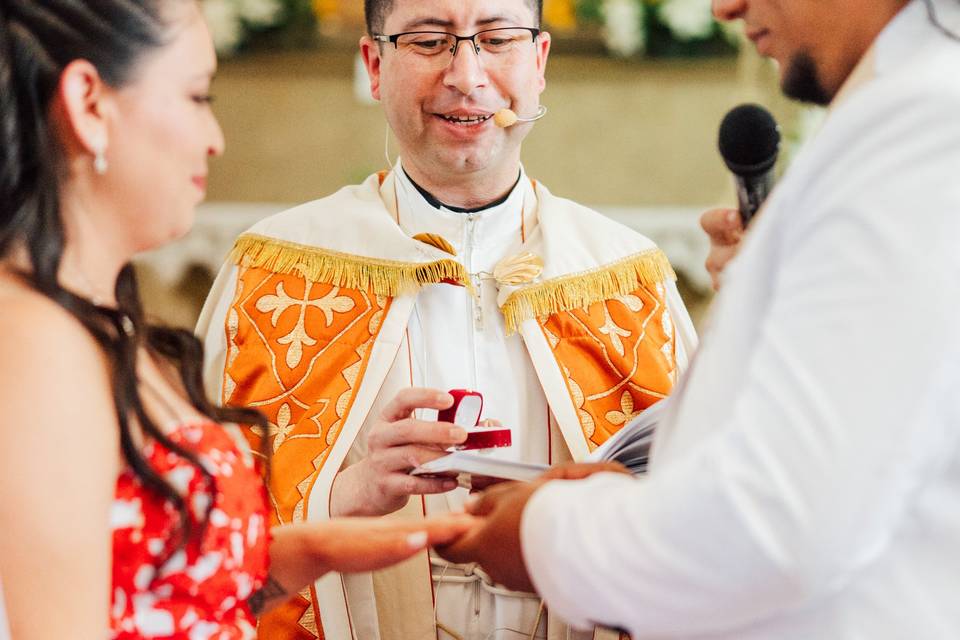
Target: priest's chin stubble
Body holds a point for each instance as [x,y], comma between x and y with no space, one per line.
[802,81]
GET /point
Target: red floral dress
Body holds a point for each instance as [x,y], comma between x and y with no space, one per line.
[200,591]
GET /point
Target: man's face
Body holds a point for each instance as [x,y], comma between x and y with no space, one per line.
[817,43]
[440,107]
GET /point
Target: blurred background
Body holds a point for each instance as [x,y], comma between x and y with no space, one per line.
[636,91]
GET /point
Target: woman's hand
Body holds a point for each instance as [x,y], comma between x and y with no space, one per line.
[302,553]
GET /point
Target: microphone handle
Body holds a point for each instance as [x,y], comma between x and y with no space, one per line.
[751,192]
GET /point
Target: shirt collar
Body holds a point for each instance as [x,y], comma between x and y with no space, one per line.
[437,204]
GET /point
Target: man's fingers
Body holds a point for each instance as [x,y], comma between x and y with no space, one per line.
[403,459]
[465,548]
[484,503]
[410,431]
[575,471]
[399,484]
[407,400]
[724,226]
[718,259]
[482,483]
[446,529]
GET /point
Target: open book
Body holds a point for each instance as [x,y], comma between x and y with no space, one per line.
[630,447]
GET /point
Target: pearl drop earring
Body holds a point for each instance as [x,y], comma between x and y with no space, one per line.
[100,161]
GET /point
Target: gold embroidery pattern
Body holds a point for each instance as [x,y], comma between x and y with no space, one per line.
[298,349]
[618,357]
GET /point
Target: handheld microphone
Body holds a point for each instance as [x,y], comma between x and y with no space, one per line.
[750,143]
[506,118]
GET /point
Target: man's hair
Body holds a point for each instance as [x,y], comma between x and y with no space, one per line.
[377,11]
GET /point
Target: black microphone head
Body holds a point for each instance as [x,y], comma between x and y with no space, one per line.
[749,140]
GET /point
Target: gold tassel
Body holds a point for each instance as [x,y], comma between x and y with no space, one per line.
[383,277]
[580,290]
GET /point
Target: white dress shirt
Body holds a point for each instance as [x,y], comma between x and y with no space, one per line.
[807,484]
[4,628]
[455,341]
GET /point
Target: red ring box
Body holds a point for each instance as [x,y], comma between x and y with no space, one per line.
[465,412]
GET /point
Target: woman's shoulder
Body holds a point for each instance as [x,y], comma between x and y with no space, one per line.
[36,333]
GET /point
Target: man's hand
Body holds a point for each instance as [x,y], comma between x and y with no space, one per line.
[725,230]
[495,542]
[381,483]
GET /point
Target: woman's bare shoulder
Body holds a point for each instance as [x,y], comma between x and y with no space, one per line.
[41,339]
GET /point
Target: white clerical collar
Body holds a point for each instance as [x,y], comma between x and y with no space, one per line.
[497,225]
[408,185]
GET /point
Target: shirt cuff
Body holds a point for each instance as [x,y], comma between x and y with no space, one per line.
[548,548]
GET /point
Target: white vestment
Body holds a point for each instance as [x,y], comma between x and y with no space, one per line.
[807,485]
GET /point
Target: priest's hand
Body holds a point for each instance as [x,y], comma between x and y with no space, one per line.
[381,483]
[494,542]
[725,230]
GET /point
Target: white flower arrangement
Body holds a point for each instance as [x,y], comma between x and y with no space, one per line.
[231,21]
[624,28]
[659,27]
[687,19]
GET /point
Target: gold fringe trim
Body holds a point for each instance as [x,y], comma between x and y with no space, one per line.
[383,277]
[580,290]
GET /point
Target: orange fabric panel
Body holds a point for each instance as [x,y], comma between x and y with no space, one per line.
[296,350]
[284,622]
[618,358]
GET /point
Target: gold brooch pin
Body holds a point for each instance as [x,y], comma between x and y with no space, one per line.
[519,269]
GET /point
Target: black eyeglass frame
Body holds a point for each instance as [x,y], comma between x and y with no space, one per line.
[392,39]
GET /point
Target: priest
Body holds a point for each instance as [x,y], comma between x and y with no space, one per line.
[342,318]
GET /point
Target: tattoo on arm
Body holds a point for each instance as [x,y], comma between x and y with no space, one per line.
[270,591]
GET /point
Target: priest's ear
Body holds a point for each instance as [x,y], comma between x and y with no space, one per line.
[371,52]
[544,41]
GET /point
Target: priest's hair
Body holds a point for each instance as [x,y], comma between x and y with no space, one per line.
[376,12]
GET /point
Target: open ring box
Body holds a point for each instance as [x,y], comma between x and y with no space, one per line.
[465,412]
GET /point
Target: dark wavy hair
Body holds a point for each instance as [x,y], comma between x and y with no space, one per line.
[38,39]
[376,12]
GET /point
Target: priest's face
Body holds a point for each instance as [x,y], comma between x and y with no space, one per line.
[440,106]
[816,43]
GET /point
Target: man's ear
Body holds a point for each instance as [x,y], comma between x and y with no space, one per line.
[371,54]
[543,52]
[81,105]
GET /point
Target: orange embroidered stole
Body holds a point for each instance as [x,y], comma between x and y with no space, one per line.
[296,350]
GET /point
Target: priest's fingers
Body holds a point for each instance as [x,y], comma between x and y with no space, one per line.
[410,431]
[401,484]
[724,226]
[579,471]
[482,483]
[403,459]
[404,403]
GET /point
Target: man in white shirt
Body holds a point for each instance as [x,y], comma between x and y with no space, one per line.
[454,270]
[807,483]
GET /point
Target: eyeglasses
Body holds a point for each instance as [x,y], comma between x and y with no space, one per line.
[494,46]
